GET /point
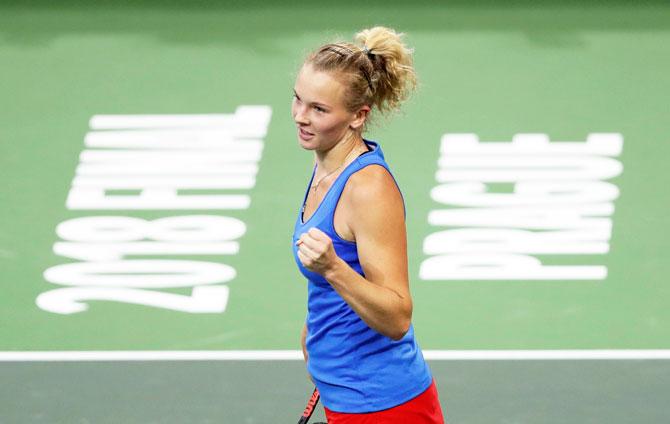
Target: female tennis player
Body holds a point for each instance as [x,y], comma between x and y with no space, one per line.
[350,240]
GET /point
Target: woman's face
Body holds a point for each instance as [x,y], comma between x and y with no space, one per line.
[318,110]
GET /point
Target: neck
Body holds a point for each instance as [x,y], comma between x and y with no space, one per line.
[329,160]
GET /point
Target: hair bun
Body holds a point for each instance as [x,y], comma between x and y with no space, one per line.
[394,77]
[379,74]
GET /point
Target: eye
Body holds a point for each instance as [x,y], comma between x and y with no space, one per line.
[319,109]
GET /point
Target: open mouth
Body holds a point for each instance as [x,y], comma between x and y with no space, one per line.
[305,135]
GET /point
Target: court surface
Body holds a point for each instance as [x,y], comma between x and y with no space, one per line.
[152,177]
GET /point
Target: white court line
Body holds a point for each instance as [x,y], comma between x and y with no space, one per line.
[296,355]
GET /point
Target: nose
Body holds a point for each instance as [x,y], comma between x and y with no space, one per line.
[299,115]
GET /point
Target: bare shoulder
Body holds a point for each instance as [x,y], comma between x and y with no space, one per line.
[373,187]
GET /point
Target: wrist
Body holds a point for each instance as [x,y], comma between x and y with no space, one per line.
[332,271]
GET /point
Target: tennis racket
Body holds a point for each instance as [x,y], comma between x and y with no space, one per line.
[309,409]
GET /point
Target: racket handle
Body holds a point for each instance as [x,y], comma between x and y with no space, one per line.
[309,409]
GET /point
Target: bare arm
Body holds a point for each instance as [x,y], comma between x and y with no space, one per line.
[303,340]
[381,298]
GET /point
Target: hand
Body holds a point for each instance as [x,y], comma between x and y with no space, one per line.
[316,251]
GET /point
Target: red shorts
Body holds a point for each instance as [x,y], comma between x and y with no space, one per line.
[423,409]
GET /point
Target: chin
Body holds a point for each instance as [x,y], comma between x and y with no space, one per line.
[307,145]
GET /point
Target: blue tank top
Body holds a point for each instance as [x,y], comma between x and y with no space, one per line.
[355,368]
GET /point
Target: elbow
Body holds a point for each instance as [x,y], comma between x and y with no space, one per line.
[397,324]
[399,333]
[402,326]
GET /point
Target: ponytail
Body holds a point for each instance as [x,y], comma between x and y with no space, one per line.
[393,75]
[378,71]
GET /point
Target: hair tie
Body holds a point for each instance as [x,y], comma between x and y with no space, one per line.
[367,51]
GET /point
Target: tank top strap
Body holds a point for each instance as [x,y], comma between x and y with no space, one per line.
[373,157]
[355,166]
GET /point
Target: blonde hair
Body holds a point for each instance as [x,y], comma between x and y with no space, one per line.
[377,71]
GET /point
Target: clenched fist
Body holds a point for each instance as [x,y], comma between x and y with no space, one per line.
[316,251]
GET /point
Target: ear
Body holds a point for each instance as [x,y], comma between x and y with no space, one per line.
[360,117]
